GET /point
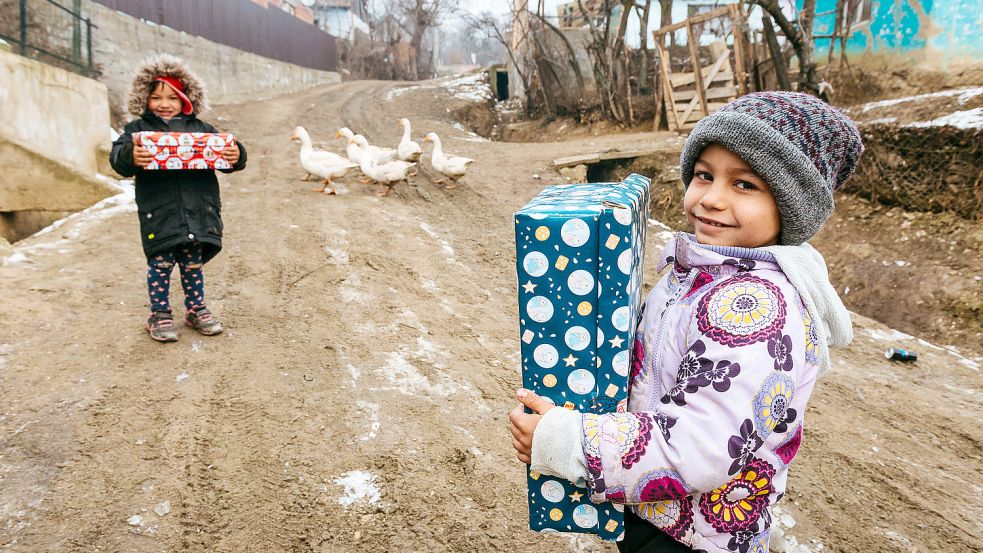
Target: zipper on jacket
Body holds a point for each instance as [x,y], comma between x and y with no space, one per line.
[661,329]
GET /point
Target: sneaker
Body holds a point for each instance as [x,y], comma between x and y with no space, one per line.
[202,321]
[161,327]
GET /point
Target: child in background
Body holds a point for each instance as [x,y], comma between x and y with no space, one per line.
[180,211]
[731,341]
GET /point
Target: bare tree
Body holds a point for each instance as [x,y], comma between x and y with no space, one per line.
[799,35]
[666,18]
[642,8]
[417,17]
[609,58]
[516,49]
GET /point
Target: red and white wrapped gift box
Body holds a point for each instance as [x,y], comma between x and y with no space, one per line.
[185,150]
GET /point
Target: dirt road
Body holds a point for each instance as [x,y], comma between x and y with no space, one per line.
[358,399]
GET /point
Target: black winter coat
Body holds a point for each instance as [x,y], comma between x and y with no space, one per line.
[175,207]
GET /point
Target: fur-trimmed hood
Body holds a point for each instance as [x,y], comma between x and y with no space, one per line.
[164,64]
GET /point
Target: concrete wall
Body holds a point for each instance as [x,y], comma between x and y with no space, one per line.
[55,112]
[947,30]
[230,75]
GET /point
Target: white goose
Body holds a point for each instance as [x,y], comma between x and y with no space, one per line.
[407,149]
[321,163]
[352,149]
[451,166]
[388,173]
[368,151]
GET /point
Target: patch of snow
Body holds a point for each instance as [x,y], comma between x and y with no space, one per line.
[473,87]
[889,335]
[123,202]
[338,256]
[355,373]
[350,292]
[373,410]
[408,379]
[968,119]
[429,285]
[181,377]
[895,336]
[781,538]
[135,520]
[882,121]
[471,137]
[965,94]
[163,508]
[359,487]
[443,243]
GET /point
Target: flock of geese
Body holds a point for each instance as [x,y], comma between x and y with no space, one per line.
[386,166]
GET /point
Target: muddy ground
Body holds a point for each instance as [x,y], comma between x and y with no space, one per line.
[358,399]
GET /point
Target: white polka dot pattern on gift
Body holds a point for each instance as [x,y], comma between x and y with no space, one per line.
[179,151]
[579,259]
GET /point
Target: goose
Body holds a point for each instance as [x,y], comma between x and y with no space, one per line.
[452,167]
[407,149]
[388,173]
[321,163]
[376,153]
[352,149]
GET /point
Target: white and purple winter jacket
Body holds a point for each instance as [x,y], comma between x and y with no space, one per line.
[725,362]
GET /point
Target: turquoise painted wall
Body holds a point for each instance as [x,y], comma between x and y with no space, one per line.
[954,27]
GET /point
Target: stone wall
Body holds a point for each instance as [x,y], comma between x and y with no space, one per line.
[55,112]
[120,42]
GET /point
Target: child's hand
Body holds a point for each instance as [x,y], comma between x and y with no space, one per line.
[141,155]
[231,153]
[523,424]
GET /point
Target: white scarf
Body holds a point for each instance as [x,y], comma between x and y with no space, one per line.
[806,270]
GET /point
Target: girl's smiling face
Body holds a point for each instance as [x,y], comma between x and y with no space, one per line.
[163,101]
[728,204]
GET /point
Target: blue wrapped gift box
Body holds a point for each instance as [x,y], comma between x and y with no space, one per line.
[579,257]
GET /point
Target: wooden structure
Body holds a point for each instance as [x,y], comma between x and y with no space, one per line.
[690,96]
[606,155]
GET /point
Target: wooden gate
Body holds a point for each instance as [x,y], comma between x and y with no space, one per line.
[690,96]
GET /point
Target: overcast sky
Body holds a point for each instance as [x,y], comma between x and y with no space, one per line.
[502,7]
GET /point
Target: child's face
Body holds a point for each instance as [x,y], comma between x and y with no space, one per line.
[163,102]
[728,204]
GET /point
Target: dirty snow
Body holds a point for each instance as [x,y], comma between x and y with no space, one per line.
[882,121]
[123,202]
[374,425]
[359,487]
[443,243]
[408,380]
[471,87]
[967,119]
[895,336]
[965,95]
[782,539]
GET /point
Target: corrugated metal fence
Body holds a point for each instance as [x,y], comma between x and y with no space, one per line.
[242,24]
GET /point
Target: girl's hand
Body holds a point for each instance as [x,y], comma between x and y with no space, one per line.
[141,155]
[523,424]
[231,153]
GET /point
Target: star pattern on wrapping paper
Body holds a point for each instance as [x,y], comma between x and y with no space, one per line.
[616,341]
[570,360]
[575,496]
[529,287]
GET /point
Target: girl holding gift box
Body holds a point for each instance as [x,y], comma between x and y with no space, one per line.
[180,211]
[731,342]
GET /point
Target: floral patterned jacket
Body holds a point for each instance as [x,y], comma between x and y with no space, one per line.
[724,365]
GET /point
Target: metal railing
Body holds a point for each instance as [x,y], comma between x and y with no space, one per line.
[69,57]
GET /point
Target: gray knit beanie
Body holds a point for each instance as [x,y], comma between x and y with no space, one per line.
[802,147]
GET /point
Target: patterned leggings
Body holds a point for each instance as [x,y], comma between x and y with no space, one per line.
[159,267]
